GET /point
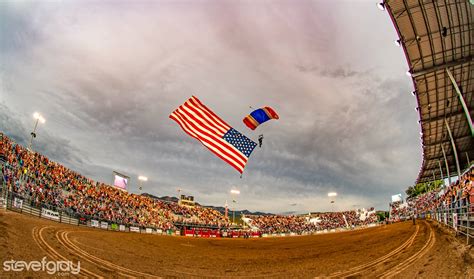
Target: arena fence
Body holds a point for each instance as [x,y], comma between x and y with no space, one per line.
[17,203]
[459,218]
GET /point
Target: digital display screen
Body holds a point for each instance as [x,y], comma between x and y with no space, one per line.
[120,181]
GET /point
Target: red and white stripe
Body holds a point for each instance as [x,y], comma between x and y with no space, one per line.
[204,125]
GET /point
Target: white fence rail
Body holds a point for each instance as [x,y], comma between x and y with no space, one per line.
[460,219]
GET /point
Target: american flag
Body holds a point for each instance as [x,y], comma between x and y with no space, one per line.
[204,125]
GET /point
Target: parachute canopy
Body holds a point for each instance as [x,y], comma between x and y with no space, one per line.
[260,116]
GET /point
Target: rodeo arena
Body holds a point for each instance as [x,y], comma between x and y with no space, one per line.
[55,219]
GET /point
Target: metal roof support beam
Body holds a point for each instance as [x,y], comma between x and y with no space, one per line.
[446,163]
[468,161]
[438,142]
[441,171]
[442,66]
[454,148]
[441,117]
[461,99]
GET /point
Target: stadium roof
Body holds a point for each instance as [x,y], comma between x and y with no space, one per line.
[437,37]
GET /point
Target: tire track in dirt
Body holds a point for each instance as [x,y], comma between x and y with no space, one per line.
[366,266]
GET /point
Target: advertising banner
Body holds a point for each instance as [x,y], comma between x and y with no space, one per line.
[104,225]
[82,221]
[135,229]
[94,223]
[455,221]
[17,203]
[446,218]
[148,230]
[49,214]
[159,231]
[122,228]
[114,227]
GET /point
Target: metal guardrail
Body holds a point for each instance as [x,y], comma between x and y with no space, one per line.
[458,218]
[17,203]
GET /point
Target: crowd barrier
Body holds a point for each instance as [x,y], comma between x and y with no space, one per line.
[19,204]
[460,219]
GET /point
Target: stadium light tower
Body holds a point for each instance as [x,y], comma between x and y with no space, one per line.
[333,196]
[234,192]
[141,179]
[39,118]
[381,6]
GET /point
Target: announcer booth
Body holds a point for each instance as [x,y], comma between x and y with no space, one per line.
[186,200]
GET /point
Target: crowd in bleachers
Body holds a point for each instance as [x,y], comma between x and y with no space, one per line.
[43,182]
[313,222]
[399,211]
[459,194]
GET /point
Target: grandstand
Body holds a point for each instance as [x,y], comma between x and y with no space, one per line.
[39,184]
[437,39]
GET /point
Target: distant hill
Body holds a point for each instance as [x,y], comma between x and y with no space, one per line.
[164,198]
[221,209]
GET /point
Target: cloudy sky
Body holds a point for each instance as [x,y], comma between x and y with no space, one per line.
[106,75]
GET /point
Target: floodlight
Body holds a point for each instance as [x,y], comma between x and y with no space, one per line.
[381,6]
[398,42]
[332,194]
[143,178]
[39,117]
[235,191]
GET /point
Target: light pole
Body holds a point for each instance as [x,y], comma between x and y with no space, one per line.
[141,179]
[39,118]
[233,212]
[234,192]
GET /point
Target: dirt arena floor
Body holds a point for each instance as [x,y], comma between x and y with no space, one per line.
[400,250]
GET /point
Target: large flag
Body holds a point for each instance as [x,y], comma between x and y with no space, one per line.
[204,125]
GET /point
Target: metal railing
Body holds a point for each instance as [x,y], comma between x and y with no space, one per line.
[18,203]
[459,218]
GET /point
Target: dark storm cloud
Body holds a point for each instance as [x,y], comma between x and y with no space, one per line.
[336,73]
[106,78]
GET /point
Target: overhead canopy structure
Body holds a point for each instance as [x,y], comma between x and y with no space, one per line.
[438,40]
